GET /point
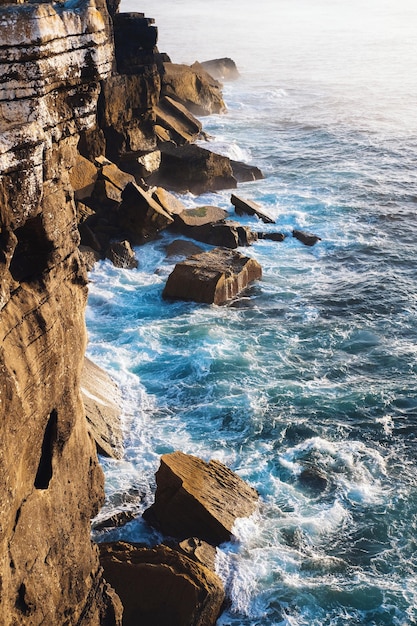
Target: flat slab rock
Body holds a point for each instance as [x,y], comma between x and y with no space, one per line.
[250,208]
[213,277]
[161,587]
[198,499]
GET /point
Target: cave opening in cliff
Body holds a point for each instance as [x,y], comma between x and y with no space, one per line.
[32,252]
[44,473]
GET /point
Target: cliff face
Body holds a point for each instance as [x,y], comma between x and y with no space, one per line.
[52,59]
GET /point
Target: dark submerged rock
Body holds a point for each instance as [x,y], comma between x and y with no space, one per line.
[313,479]
[181,248]
[114,521]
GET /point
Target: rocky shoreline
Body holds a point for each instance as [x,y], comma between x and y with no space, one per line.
[97,129]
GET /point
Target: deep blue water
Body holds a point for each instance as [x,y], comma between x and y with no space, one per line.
[305,385]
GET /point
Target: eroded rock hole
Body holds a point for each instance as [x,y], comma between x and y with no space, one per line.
[21,603]
[31,255]
[44,473]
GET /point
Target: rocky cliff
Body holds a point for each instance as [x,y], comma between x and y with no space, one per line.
[79,87]
[52,59]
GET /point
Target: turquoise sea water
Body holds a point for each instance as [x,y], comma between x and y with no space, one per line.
[306,385]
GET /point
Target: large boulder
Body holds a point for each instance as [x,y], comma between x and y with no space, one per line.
[193,168]
[101,398]
[213,277]
[159,586]
[83,175]
[126,112]
[198,499]
[193,87]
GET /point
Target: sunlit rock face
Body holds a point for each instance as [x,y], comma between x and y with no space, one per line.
[52,58]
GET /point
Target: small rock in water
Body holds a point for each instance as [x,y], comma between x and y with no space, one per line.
[314,479]
[308,239]
[271,236]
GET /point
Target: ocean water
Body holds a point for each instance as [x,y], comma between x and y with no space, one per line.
[306,385]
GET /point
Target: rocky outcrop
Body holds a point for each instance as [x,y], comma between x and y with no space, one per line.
[199,92]
[193,168]
[221,69]
[52,59]
[213,277]
[198,499]
[179,124]
[101,398]
[77,124]
[160,586]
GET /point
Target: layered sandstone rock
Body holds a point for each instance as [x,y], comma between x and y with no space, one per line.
[213,277]
[180,125]
[198,499]
[52,58]
[193,87]
[195,169]
[160,586]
